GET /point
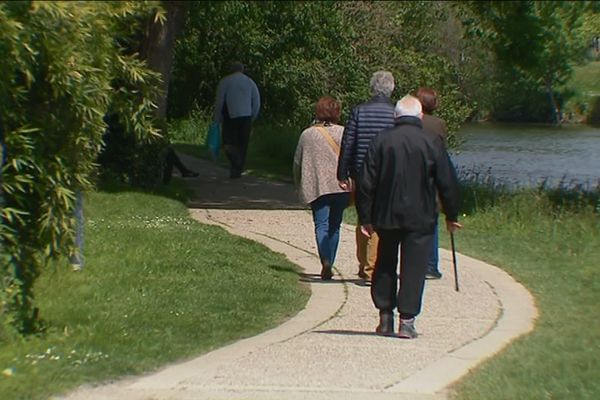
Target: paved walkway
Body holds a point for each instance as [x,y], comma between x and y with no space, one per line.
[329,351]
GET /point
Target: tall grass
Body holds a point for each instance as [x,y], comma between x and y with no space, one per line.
[272,149]
[548,239]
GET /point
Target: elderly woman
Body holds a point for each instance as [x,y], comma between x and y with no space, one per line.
[432,125]
[315,165]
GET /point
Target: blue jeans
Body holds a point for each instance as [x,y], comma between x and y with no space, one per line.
[327,212]
[433,259]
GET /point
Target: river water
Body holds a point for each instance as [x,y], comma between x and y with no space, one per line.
[526,155]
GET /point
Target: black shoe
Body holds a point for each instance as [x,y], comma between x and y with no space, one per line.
[190,174]
[386,324]
[407,329]
[433,274]
[235,175]
[326,273]
[361,274]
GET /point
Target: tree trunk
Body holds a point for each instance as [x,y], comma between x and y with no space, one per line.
[555,109]
[158,47]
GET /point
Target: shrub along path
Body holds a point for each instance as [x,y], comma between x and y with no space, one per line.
[328,350]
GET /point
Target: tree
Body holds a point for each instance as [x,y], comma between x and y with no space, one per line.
[535,42]
[54,95]
[139,162]
[298,51]
[158,46]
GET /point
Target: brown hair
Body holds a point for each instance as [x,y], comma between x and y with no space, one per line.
[328,110]
[428,98]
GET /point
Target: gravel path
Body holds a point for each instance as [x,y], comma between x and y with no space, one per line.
[329,351]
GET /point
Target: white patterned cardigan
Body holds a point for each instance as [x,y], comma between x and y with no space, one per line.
[315,163]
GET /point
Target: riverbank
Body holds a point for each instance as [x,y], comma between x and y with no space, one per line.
[530,155]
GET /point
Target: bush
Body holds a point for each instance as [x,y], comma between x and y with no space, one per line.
[299,51]
[62,71]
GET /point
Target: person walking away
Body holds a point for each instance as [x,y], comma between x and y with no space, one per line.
[315,164]
[236,106]
[432,125]
[396,197]
[365,122]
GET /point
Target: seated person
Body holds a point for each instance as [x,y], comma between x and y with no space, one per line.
[172,160]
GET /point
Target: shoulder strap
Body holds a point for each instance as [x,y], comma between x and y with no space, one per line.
[329,139]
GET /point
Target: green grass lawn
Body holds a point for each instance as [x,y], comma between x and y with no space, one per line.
[554,251]
[585,87]
[156,287]
[586,78]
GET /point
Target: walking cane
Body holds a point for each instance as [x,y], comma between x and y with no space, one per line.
[454,261]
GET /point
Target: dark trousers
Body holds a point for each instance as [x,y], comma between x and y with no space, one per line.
[172,160]
[236,135]
[415,248]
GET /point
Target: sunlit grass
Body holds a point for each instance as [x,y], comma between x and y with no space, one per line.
[584,91]
[586,78]
[551,244]
[156,287]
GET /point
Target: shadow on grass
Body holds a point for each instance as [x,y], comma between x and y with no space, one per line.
[177,189]
[280,268]
[258,165]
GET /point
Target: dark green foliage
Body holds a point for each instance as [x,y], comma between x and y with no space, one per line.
[536,44]
[594,112]
[291,49]
[59,62]
[299,51]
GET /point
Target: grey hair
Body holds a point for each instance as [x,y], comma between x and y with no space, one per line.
[382,83]
[408,106]
[236,67]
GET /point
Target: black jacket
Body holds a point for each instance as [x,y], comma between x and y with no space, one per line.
[403,170]
[365,122]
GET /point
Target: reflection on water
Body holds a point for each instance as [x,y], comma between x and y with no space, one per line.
[529,154]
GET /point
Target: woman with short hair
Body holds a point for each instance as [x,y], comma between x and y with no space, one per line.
[435,126]
[315,166]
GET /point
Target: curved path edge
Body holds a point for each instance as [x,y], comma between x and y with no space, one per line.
[177,381]
[518,315]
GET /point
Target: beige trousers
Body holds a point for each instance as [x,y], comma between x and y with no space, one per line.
[366,253]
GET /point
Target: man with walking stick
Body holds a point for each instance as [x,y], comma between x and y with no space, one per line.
[402,172]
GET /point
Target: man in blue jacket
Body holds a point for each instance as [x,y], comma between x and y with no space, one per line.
[365,122]
[236,106]
[403,171]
